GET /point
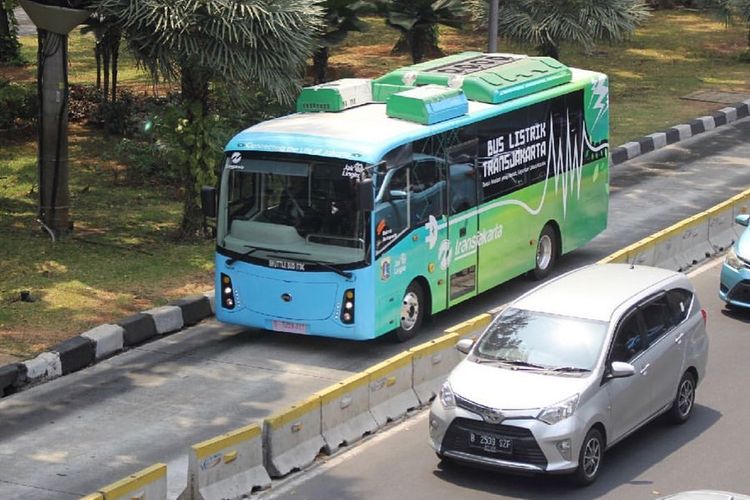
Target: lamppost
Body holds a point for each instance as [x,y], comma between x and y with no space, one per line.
[53,24]
[494,8]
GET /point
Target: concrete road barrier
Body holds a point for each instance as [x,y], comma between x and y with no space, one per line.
[391,392]
[194,309]
[46,366]
[167,319]
[227,466]
[471,326]
[109,339]
[345,412]
[721,234]
[293,438]
[137,328]
[10,375]
[75,354]
[431,364]
[147,484]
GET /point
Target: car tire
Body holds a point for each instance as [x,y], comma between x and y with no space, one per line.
[589,458]
[684,400]
[412,313]
[546,253]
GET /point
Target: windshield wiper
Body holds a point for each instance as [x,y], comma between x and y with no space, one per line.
[511,362]
[345,274]
[253,249]
[569,369]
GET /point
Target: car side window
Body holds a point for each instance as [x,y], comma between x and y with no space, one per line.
[679,301]
[657,318]
[628,341]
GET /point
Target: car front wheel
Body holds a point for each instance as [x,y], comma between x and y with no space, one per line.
[589,458]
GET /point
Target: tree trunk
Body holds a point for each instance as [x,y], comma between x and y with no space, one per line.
[195,92]
[105,71]
[115,57]
[54,195]
[98,57]
[416,40]
[10,49]
[320,64]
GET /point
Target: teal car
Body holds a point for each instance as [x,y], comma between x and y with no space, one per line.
[735,273]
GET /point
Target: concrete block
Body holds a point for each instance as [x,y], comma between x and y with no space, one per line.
[659,139]
[391,392]
[108,339]
[345,412]
[721,234]
[167,319]
[138,328]
[730,114]
[619,155]
[473,325]
[227,466]
[708,123]
[743,109]
[147,484]
[646,145]
[75,354]
[431,364]
[719,119]
[46,366]
[211,296]
[633,149]
[9,377]
[685,130]
[194,309]
[697,126]
[293,438]
[673,135]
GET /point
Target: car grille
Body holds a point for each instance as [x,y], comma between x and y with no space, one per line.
[525,448]
[740,292]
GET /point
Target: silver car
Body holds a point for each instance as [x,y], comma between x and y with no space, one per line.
[571,368]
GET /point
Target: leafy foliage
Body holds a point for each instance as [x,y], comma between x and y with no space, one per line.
[10,48]
[340,17]
[18,105]
[582,22]
[417,21]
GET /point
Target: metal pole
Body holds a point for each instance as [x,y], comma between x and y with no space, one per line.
[494,8]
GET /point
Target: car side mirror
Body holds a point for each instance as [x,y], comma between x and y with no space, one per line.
[208,201]
[618,369]
[742,219]
[464,345]
[365,202]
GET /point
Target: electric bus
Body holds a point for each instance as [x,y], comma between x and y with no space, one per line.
[383,201]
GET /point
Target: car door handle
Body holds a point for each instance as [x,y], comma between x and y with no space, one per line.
[678,340]
[644,370]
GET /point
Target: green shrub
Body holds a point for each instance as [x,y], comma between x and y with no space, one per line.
[18,105]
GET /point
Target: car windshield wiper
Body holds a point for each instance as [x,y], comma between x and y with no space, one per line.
[511,362]
[345,274]
[569,369]
[253,249]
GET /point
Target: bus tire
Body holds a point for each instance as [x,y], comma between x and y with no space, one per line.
[546,253]
[412,312]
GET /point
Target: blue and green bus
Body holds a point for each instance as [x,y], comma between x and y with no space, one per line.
[380,202]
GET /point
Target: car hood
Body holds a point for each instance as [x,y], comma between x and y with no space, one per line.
[743,245]
[510,389]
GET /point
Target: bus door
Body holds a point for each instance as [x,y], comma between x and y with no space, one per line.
[462,253]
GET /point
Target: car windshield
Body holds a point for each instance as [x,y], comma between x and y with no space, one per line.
[292,206]
[545,341]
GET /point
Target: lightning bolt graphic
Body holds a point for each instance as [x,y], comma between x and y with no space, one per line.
[600,92]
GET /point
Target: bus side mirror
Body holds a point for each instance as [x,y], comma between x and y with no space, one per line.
[365,200]
[208,201]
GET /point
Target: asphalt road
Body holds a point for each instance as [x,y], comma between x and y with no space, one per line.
[74,434]
[708,452]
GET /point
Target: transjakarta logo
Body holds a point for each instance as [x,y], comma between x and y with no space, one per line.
[467,246]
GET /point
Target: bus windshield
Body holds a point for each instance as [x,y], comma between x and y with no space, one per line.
[291,206]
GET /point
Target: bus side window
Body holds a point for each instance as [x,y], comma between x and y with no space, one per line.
[427,190]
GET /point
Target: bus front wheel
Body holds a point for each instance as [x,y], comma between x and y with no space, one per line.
[412,313]
[546,253]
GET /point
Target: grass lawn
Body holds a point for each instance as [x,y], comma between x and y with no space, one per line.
[122,258]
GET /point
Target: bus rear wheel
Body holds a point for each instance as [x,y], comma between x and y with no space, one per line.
[412,313]
[546,253]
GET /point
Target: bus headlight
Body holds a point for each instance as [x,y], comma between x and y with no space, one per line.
[347,307]
[227,292]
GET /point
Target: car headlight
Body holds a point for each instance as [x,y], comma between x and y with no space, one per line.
[558,411]
[447,397]
[732,260]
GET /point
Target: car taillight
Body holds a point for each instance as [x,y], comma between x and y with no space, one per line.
[705,316]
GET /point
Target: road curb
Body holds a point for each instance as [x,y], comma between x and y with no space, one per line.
[103,341]
[678,133]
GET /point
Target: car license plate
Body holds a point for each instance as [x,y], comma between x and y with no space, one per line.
[490,443]
[289,326]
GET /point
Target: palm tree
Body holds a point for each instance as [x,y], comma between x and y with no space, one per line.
[10,49]
[341,17]
[730,11]
[264,42]
[546,24]
[107,35]
[417,20]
